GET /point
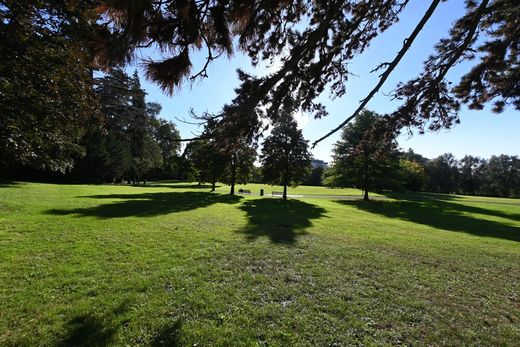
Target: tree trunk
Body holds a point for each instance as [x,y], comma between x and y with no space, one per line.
[286,175]
[213,185]
[365,182]
[233,177]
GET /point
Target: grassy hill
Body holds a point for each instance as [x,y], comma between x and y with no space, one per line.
[173,264]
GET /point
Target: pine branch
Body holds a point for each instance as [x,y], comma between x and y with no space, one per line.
[391,66]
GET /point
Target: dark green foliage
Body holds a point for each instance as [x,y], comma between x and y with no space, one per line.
[208,162]
[362,160]
[233,136]
[501,176]
[239,165]
[443,174]
[315,178]
[46,98]
[285,154]
[471,175]
[134,143]
[256,175]
[497,176]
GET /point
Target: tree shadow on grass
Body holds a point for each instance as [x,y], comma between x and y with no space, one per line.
[168,335]
[87,330]
[443,214]
[456,204]
[8,184]
[280,220]
[93,330]
[146,204]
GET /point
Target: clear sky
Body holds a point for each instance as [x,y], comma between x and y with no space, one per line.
[480,133]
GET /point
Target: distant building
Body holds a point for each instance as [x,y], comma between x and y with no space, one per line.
[319,163]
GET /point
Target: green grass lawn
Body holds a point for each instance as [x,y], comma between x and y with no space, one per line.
[177,265]
[268,189]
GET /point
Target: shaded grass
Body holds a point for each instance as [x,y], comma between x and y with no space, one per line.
[146,204]
[445,215]
[122,265]
[280,220]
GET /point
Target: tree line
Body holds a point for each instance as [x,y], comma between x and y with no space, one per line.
[127,141]
[361,159]
[135,145]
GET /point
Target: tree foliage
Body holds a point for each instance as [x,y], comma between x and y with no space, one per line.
[285,155]
[46,97]
[362,160]
[208,162]
[133,142]
[316,41]
[239,165]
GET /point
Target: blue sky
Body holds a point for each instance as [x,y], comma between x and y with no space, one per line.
[480,133]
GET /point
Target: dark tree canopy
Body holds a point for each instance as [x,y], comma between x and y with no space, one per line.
[443,173]
[285,154]
[208,162]
[132,142]
[240,163]
[49,50]
[46,96]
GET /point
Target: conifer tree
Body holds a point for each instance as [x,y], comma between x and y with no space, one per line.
[285,154]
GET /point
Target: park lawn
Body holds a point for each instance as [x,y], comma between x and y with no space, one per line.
[268,189]
[299,190]
[177,265]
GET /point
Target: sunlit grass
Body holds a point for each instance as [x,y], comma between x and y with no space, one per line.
[176,264]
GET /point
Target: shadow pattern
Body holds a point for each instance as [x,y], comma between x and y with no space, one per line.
[8,184]
[87,330]
[280,220]
[168,335]
[444,214]
[146,204]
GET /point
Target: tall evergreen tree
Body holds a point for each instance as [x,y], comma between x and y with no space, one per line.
[146,153]
[285,154]
[133,141]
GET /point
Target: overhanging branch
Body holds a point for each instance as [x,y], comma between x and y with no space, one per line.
[391,66]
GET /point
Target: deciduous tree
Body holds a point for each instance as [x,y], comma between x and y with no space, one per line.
[359,159]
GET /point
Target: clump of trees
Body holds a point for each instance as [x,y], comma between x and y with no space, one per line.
[133,143]
[360,160]
[224,153]
[55,116]
[46,95]
[285,154]
[128,141]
